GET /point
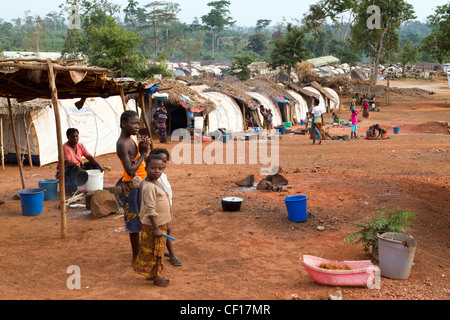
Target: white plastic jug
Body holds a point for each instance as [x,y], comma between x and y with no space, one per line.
[95,181]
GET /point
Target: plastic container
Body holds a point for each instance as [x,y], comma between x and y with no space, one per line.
[50,188]
[396,130]
[198,123]
[296,207]
[95,181]
[360,275]
[255,129]
[396,253]
[32,201]
[287,124]
[302,122]
[225,138]
[281,129]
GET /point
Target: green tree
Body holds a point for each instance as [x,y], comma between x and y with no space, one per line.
[289,50]
[239,66]
[378,42]
[217,19]
[408,54]
[438,42]
[261,25]
[258,44]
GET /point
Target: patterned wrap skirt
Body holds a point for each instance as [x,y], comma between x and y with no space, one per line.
[131,207]
[150,259]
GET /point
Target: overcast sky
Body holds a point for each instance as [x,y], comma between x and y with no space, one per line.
[245,12]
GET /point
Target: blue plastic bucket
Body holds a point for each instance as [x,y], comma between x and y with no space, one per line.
[256,129]
[32,201]
[302,122]
[281,129]
[396,130]
[50,188]
[296,207]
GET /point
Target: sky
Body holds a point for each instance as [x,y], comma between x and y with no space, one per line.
[245,12]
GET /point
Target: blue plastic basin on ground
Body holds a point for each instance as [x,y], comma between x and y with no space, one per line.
[281,129]
[396,130]
[296,207]
[32,201]
[50,188]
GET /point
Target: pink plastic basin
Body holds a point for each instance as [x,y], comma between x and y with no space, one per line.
[357,277]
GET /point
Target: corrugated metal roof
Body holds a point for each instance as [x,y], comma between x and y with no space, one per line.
[322,61]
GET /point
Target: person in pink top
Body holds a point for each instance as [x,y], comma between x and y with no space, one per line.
[354,123]
[73,158]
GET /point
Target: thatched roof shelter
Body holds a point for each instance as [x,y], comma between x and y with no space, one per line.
[28,79]
[25,80]
[22,108]
[176,90]
[319,88]
[302,91]
[275,91]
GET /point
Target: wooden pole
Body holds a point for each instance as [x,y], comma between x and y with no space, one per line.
[30,161]
[144,114]
[122,96]
[1,143]
[62,187]
[15,143]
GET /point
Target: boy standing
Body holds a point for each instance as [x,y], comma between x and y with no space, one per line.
[132,159]
[155,215]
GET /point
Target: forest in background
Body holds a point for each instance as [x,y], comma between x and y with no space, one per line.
[154,32]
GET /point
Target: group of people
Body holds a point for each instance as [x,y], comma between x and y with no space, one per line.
[147,201]
[147,194]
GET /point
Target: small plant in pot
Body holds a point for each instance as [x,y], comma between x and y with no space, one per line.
[387,220]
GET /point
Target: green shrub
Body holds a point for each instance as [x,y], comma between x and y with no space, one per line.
[388,220]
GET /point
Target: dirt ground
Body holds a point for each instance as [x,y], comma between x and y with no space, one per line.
[254,254]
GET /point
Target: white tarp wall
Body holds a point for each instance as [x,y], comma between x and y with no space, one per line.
[227,115]
[300,106]
[321,99]
[268,104]
[336,96]
[98,123]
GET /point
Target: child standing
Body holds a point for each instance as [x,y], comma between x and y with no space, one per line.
[156,212]
[354,123]
[165,156]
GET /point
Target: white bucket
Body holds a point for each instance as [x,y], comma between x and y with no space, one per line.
[95,181]
[198,123]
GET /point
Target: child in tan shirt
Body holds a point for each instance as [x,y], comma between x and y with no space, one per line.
[155,214]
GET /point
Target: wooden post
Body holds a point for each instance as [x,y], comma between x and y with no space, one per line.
[1,143]
[144,114]
[15,143]
[28,140]
[62,188]
[122,96]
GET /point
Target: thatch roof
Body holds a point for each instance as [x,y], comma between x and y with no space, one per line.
[21,108]
[319,88]
[228,86]
[176,90]
[302,91]
[274,90]
[28,79]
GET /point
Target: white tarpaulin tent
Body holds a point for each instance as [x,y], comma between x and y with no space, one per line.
[321,99]
[336,96]
[227,114]
[268,104]
[98,123]
[301,107]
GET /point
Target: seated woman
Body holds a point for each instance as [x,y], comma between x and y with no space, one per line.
[73,158]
